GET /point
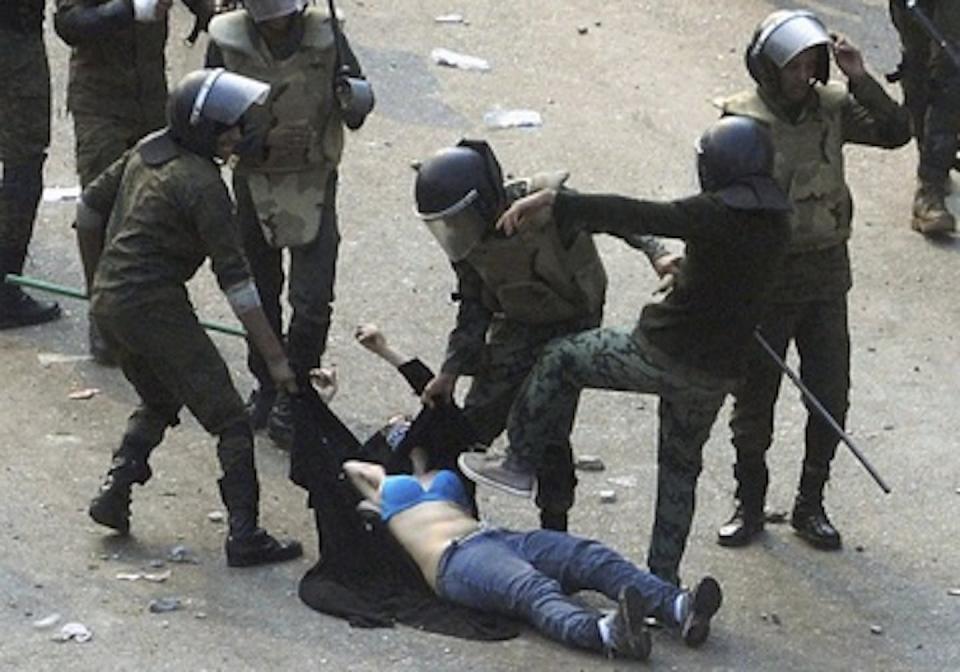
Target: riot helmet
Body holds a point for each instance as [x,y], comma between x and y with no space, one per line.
[735,159]
[779,39]
[264,10]
[459,193]
[208,102]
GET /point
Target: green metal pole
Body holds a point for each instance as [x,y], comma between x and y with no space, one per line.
[73,293]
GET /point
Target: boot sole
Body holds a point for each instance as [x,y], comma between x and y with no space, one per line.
[818,542]
[707,598]
[120,526]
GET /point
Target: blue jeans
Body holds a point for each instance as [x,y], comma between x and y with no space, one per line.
[531,575]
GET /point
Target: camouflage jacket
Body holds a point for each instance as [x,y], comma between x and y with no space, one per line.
[810,168]
[705,322]
[117,66]
[164,222]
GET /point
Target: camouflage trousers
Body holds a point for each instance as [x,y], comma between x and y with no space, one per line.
[24,134]
[171,363]
[821,333]
[931,84]
[618,359]
[510,354]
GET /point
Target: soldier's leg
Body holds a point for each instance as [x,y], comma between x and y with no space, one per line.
[266,266]
[313,270]
[751,424]
[823,341]
[915,66]
[685,422]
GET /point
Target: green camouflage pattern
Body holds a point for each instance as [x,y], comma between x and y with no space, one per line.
[619,359]
[24,96]
[289,205]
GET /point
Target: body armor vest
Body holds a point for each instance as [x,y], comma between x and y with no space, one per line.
[23,16]
[532,278]
[288,187]
[808,166]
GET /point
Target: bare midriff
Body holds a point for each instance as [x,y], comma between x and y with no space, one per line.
[427,529]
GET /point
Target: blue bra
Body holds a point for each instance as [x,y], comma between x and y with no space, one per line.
[401,492]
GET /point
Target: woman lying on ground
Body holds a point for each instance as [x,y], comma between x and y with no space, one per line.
[528,575]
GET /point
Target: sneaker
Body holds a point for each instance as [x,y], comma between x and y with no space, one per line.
[502,473]
[699,607]
[629,637]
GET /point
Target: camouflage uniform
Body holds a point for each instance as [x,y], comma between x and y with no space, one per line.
[931,85]
[117,90]
[499,352]
[24,137]
[808,299]
[688,349]
[166,220]
[287,199]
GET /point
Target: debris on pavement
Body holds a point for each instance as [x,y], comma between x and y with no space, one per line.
[48,358]
[954,592]
[164,605]
[78,632]
[453,59]
[215,516]
[876,629]
[589,463]
[583,30]
[46,622]
[608,496]
[771,618]
[159,577]
[183,555]
[498,119]
[450,18]
[85,393]
[60,194]
[623,481]
[775,517]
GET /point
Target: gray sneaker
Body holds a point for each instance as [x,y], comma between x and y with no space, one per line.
[629,636]
[502,473]
[699,607]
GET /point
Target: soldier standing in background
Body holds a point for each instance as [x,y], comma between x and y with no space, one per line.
[285,182]
[810,121]
[117,88]
[931,92]
[24,137]
[516,294]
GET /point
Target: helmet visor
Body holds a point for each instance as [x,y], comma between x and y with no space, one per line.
[225,96]
[457,229]
[794,35]
[264,10]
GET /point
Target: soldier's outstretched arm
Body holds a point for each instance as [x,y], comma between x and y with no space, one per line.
[79,22]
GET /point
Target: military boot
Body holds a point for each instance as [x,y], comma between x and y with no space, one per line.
[553,520]
[17,308]
[809,520]
[747,519]
[248,544]
[111,506]
[930,214]
[280,422]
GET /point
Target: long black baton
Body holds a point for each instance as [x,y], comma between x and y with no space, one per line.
[824,413]
[930,27]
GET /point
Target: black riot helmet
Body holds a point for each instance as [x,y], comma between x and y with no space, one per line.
[735,159]
[779,38]
[208,102]
[459,193]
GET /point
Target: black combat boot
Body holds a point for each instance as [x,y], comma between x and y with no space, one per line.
[747,520]
[248,544]
[111,506]
[17,308]
[809,520]
[553,520]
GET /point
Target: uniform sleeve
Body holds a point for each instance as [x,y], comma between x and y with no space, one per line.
[211,212]
[626,218]
[102,192]
[467,339]
[77,23]
[873,118]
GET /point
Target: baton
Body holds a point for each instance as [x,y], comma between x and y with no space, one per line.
[62,290]
[934,32]
[823,412]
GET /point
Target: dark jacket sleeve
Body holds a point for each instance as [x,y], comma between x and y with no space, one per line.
[874,118]
[211,212]
[77,23]
[468,338]
[698,216]
[417,374]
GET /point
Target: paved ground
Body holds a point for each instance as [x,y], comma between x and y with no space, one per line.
[621,103]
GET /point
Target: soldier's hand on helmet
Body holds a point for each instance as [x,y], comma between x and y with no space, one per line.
[369,336]
[282,374]
[439,391]
[848,57]
[521,210]
[289,137]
